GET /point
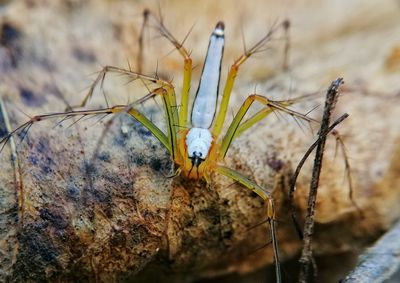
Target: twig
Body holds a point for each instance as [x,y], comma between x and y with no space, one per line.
[297,172]
[306,255]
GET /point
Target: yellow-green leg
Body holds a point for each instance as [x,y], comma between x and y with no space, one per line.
[219,121]
[270,107]
[116,109]
[169,102]
[265,112]
[131,75]
[165,90]
[266,196]
[187,71]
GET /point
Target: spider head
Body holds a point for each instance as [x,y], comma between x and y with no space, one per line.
[198,143]
[196,158]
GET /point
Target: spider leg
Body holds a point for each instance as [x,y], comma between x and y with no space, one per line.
[220,118]
[183,110]
[139,57]
[187,71]
[138,75]
[165,90]
[266,111]
[266,196]
[340,143]
[270,106]
[286,30]
[115,109]
[124,72]
[169,102]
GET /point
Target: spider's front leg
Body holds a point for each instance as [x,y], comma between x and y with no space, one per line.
[187,68]
[131,75]
[174,121]
[220,118]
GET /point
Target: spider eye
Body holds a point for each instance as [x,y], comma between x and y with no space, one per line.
[197,154]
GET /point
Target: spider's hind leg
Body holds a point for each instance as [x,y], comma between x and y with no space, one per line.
[266,196]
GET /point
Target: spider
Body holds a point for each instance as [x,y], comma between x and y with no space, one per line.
[197,147]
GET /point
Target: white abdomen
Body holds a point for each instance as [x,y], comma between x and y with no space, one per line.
[205,103]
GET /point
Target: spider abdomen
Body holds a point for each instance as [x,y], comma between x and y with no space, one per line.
[205,103]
